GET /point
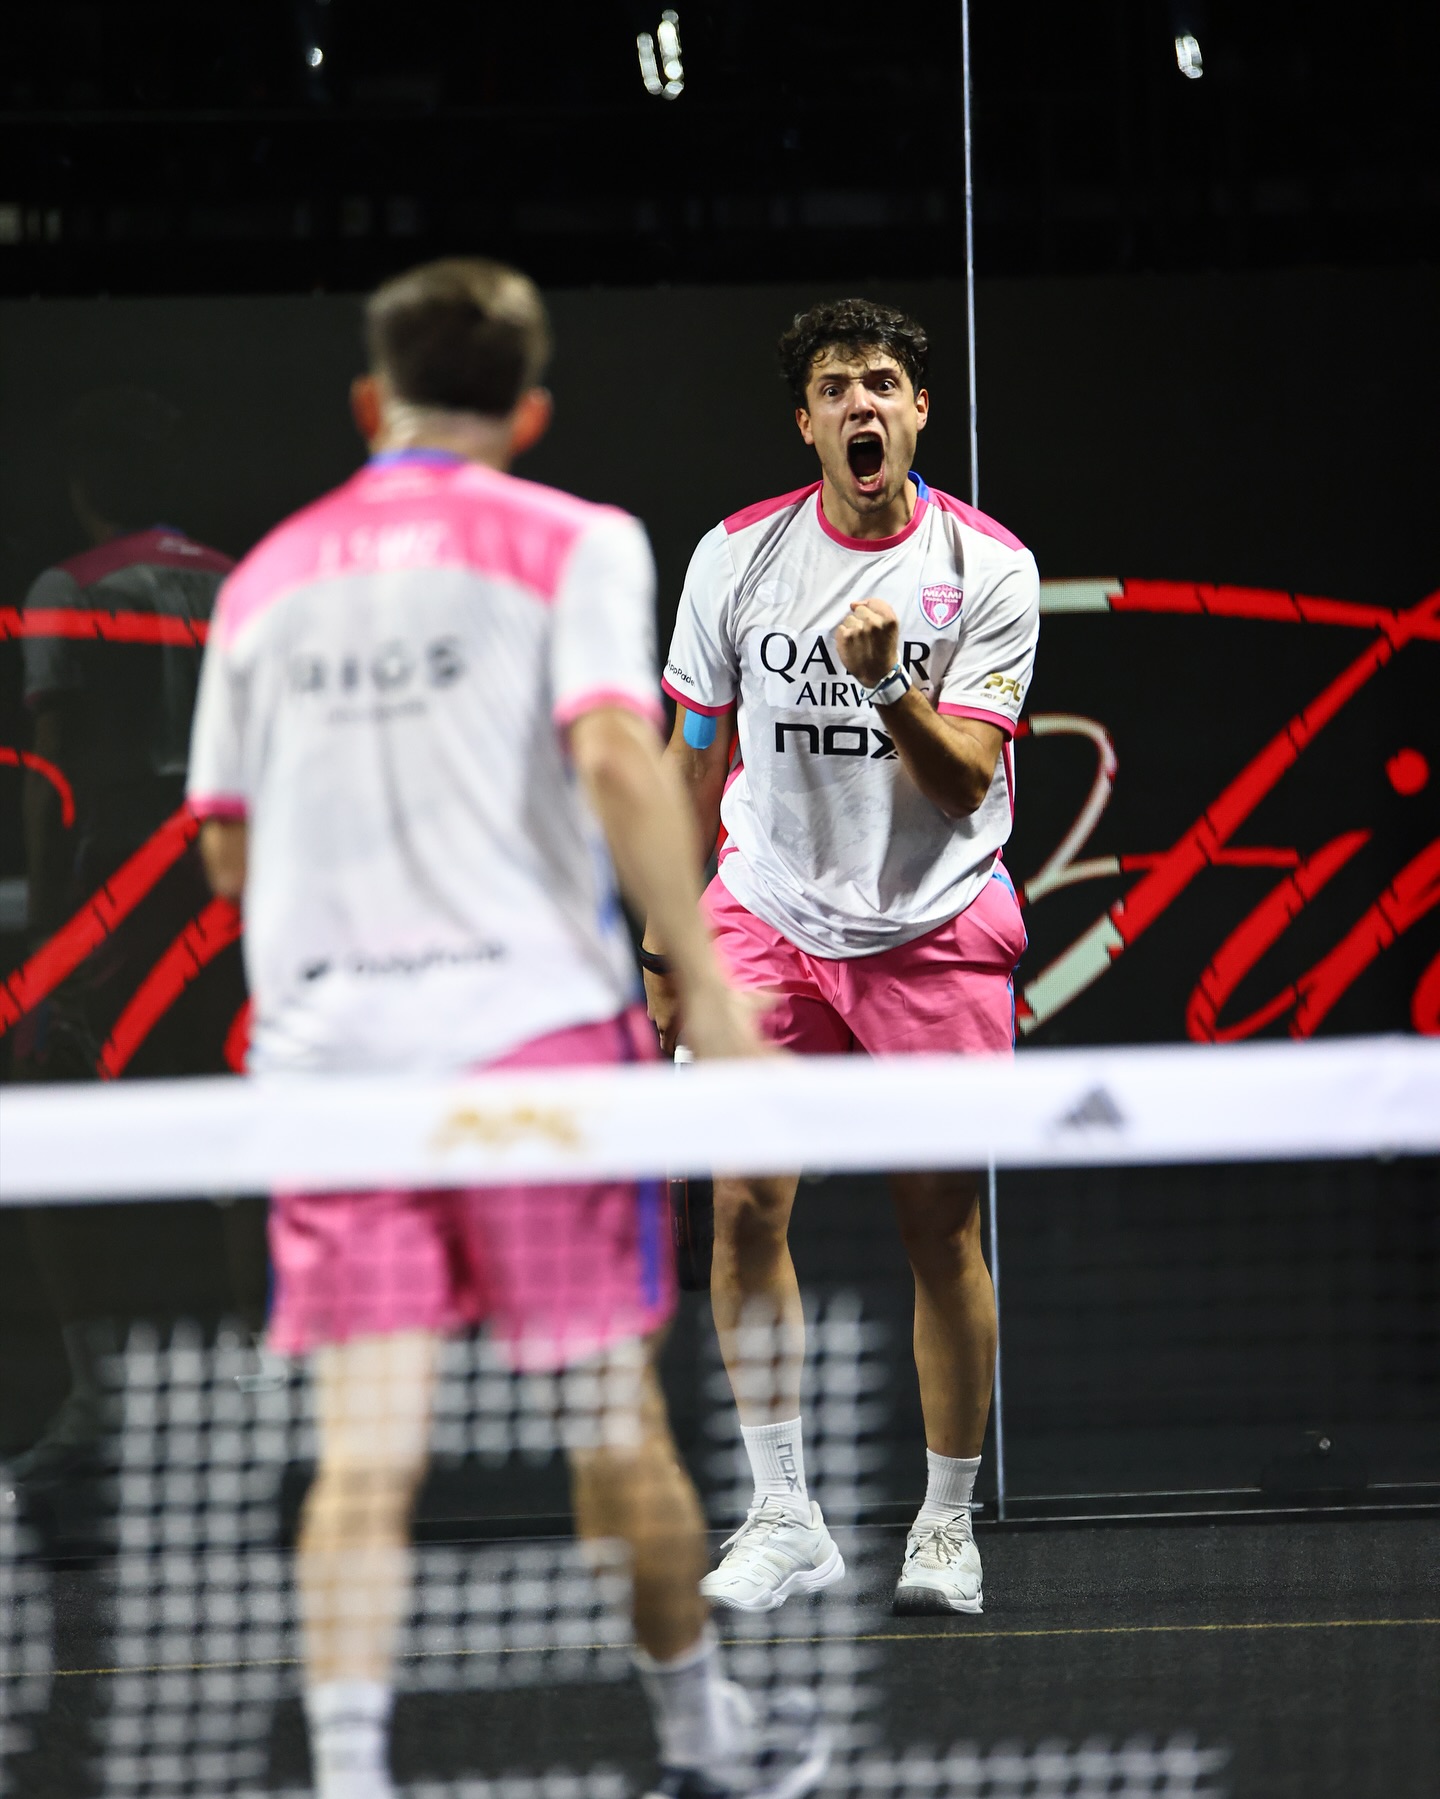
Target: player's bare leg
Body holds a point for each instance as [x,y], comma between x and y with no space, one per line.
[939,1218]
[755,1296]
[783,1546]
[955,1334]
[631,1491]
[373,1398]
[631,1488]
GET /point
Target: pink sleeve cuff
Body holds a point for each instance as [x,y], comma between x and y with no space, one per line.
[578,704]
[684,699]
[225,806]
[998,719]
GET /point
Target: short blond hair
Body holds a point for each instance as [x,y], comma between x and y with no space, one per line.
[465,334]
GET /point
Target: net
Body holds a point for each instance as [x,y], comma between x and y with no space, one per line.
[148,1610]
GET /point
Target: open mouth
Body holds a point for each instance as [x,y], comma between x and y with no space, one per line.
[866,455]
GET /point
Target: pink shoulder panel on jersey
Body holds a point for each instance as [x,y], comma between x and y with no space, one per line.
[409,517]
[152,549]
[763,509]
[977,520]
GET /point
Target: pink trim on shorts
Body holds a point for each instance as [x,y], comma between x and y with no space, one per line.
[950,991]
[557,1272]
[644,706]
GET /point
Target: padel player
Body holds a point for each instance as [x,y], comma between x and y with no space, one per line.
[420,695]
[870,640]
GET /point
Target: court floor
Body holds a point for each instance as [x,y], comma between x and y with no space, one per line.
[1307,1654]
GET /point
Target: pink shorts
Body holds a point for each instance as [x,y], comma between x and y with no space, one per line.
[952,990]
[556,1272]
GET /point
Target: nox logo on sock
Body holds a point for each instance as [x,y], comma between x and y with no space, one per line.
[785,1460]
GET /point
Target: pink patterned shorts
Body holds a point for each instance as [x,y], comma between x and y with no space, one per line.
[950,991]
[556,1272]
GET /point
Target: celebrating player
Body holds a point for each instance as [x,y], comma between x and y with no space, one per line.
[419,695]
[869,639]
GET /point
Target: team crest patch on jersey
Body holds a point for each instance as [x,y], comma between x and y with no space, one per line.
[941,604]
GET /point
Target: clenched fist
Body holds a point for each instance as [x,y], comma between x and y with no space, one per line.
[869,640]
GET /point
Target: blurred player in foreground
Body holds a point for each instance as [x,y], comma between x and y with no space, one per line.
[419,695]
[874,639]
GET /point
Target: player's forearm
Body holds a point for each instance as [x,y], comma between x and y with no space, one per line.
[700,777]
[952,769]
[224,846]
[650,829]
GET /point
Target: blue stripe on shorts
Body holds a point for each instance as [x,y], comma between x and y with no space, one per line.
[650,1203]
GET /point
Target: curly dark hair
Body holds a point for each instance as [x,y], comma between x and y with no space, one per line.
[851,326]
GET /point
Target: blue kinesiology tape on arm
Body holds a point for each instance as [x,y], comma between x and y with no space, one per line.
[699,730]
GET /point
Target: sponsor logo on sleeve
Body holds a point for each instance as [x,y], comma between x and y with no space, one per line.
[676,673]
[941,603]
[1005,687]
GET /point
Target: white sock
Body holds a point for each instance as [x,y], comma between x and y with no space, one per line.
[687,1703]
[350,1739]
[949,1488]
[777,1460]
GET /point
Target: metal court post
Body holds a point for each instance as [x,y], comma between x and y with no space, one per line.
[994,1222]
[969,254]
[999,1401]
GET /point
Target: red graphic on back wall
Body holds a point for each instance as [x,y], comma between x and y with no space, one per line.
[1208,841]
[1205,842]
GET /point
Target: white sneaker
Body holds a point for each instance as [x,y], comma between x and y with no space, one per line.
[942,1570]
[781,1751]
[771,1556]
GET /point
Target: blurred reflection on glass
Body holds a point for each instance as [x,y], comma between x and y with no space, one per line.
[111,665]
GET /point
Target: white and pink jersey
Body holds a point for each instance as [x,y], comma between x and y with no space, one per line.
[384,697]
[827,839]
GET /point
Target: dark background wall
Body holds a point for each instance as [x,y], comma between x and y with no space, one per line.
[1261,430]
[1258,430]
[1266,429]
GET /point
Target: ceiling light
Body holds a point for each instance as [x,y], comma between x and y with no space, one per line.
[661,69]
[649,68]
[1187,56]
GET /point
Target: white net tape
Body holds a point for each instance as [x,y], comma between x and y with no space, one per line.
[1169,1103]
